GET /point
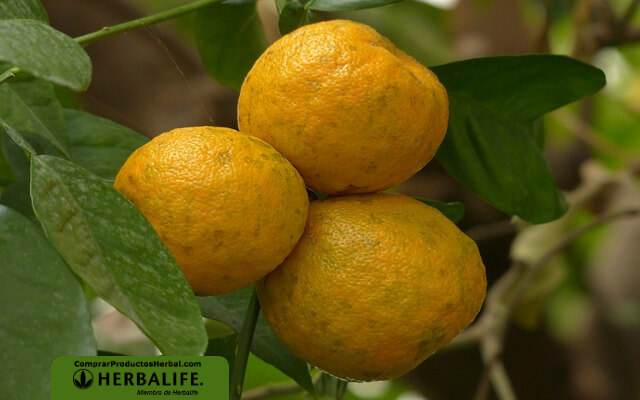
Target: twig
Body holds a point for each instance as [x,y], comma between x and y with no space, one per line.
[503,298]
[109,31]
[541,43]
[630,36]
[8,74]
[124,27]
[491,230]
[271,390]
[245,337]
[484,384]
[535,267]
[629,13]
[501,382]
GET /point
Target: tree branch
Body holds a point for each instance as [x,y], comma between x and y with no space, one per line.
[503,298]
[534,268]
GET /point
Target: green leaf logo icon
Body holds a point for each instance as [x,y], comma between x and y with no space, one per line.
[83,379]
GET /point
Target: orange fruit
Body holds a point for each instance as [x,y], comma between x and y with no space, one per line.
[350,111]
[227,205]
[377,283]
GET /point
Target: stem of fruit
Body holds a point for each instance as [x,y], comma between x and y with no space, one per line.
[236,380]
[109,31]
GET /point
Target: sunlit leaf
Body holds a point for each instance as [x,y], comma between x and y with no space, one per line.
[112,247]
[52,55]
[22,9]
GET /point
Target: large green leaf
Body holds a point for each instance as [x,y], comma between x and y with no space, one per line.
[31,106]
[22,9]
[500,161]
[100,145]
[113,248]
[494,137]
[348,5]
[51,55]
[230,39]
[522,88]
[230,309]
[44,311]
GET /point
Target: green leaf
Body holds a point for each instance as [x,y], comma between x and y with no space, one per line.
[348,5]
[536,131]
[522,88]
[18,139]
[67,97]
[454,210]
[100,145]
[15,157]
[499,160]
[495,132]
[293,16]
[230,39]
[230,309]
[45,313]
[52,55]
[17,197]
[113,248]
[23,9]
[31,106]
[6,174]
[281,4]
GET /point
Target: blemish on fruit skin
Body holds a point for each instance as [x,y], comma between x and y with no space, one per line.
[187,250]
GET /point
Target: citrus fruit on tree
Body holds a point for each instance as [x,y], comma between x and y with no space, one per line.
[376,284]
[227,205]
[352,113]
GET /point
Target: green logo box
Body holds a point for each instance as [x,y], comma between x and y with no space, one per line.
[128,378]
